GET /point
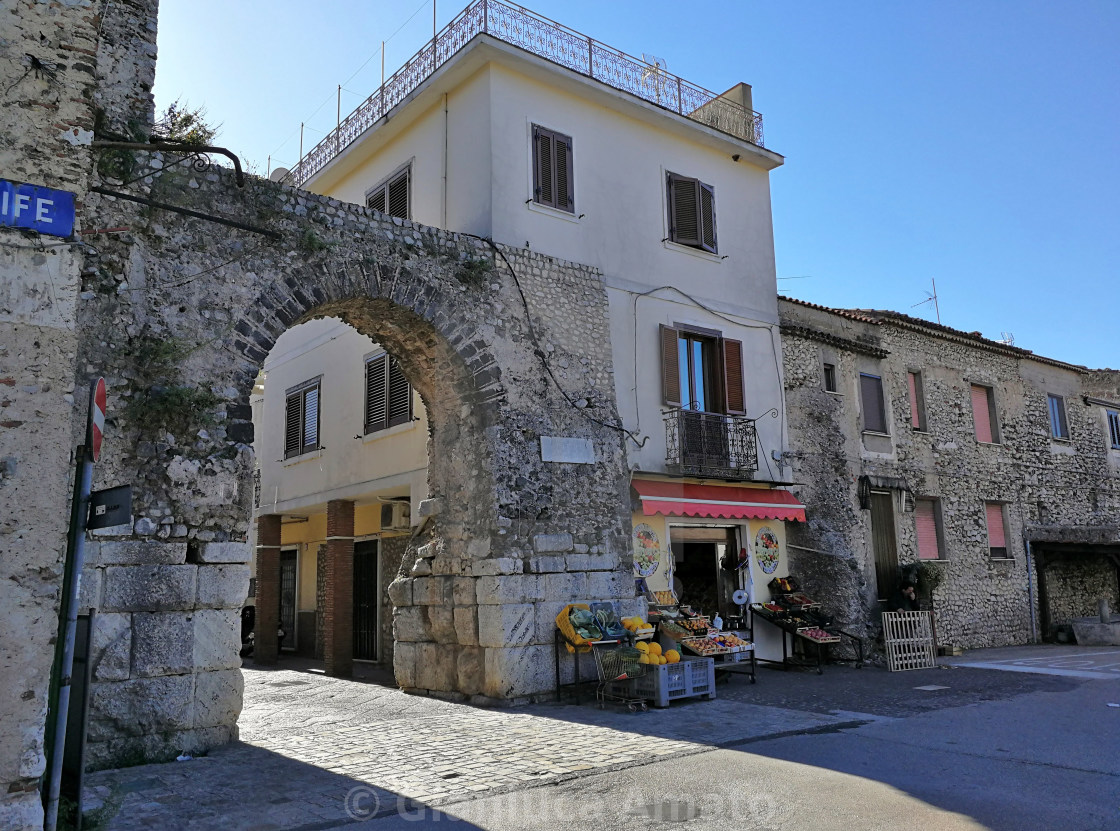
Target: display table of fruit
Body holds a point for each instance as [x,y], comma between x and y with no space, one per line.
[721,643]
[818,635]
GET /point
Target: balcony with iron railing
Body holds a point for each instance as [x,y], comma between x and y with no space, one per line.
[547,39]
[710,445]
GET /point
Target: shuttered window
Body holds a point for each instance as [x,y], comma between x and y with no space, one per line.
[830,377]
[1059,427]
[393,196]
[871,400]
[702,371]
[1114,428]
[552,170]
[997,529]
[926,522]
[983,414]
[917,401]
[301,419]
[692,213]
[388,394]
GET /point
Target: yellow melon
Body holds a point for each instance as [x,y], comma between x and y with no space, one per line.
[654,648]
[642,645]
[672,656]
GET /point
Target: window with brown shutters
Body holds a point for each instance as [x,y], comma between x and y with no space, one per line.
[692,213]
[301,419]
[701,371]
[552,170]
[927,527]
[917,401]
[388,394]
[393,196]
[871,400]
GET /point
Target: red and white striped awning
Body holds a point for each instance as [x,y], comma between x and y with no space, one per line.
[713,501]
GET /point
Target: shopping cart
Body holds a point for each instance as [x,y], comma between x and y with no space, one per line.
[617,665]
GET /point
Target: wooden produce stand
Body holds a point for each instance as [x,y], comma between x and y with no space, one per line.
[798,616]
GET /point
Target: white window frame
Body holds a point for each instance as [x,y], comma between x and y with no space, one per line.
[1056,407]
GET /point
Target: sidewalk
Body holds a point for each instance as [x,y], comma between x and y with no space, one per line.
[309,740]
[1100,662]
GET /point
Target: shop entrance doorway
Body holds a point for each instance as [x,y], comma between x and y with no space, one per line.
[884,543]
[698,578]
[367,599]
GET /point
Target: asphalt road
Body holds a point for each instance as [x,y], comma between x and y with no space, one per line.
[996,750]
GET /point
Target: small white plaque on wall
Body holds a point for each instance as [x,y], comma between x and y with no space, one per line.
[572,451]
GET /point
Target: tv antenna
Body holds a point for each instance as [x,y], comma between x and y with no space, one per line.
[656,67]
[932,298]
[1007,338]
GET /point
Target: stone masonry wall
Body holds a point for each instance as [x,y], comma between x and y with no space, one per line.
[1044,484]
[1075,583]
[47,75]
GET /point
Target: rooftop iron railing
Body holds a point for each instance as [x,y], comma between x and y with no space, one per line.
[545,38]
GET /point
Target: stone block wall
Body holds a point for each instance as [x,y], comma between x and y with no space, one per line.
[1059,487]
[1075,582]
[166,637]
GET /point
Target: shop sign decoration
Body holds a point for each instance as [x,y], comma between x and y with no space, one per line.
[766,549]
[647,550]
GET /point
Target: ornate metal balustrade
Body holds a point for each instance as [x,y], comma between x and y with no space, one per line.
[710,445]
[527,30]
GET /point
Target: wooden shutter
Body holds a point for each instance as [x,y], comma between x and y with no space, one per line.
[310,419]
[670,367]
[871,398]
[400,395]
[684,210]
[543,171]
[981,414]
[377,412]
[707,217]
[925,521]
[376,200]
[997,533]
[562,145]
[916,420]
[292,425]
[734,399]
[398,196]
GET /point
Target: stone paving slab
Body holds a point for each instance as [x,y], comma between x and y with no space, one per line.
[311,743]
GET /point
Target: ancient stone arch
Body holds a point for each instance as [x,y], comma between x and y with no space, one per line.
[510,537]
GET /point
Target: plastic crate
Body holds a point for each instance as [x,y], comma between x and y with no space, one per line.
[690,677]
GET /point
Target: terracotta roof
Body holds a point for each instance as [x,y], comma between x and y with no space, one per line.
[879,317]
[851,314]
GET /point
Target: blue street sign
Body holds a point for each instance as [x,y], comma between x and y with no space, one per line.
[40,209]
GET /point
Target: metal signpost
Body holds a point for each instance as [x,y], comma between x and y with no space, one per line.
[36,208]
[87,454]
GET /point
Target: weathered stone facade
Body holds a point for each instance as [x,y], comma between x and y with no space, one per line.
[1054,493]
[177,313]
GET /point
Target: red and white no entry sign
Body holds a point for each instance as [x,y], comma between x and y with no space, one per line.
[97,417]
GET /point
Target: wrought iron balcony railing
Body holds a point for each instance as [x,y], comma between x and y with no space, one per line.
[545,38]
[710,445]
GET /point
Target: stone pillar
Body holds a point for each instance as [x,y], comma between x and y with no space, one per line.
[266,646]
[338,612]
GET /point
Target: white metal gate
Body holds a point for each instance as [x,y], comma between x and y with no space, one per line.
[909,640]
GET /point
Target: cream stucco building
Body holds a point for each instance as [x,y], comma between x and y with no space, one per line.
[592,157]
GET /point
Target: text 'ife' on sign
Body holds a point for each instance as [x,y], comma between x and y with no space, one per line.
[36,208]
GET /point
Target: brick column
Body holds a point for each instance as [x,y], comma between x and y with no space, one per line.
[268,589]
[338,612]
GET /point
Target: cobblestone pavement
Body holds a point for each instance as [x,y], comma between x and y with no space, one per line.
[309,741]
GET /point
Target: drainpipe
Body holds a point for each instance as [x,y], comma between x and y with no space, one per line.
[1030,592]
[443,213]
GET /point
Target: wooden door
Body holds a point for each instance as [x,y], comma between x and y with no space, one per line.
[884,543]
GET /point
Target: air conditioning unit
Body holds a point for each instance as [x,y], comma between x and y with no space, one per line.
[395,516]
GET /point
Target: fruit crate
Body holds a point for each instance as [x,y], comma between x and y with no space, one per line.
[685,679]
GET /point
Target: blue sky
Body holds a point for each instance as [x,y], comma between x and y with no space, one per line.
[975,143]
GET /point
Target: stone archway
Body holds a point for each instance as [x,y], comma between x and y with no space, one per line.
[511,537]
